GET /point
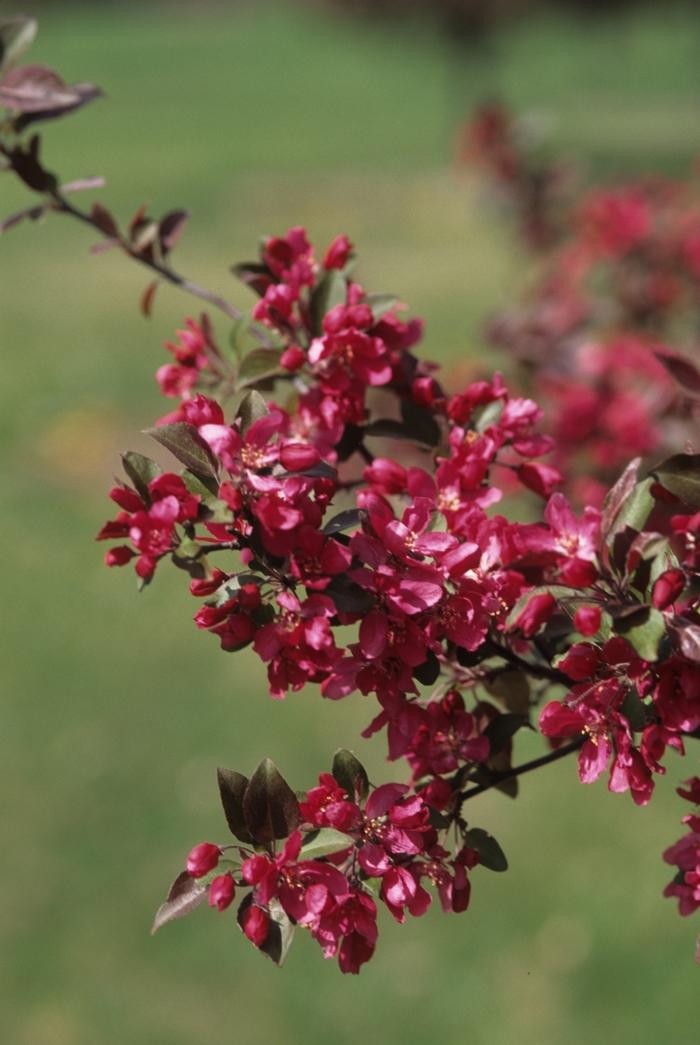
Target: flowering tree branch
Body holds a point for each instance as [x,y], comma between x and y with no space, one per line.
[386,571]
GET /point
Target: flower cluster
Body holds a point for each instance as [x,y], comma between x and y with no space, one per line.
[365,530]
[341,846]
[607,334]
[307,537]
[685,854]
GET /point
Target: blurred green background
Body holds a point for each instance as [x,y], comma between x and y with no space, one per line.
[115,710]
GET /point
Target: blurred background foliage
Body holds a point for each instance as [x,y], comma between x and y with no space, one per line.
[115,711]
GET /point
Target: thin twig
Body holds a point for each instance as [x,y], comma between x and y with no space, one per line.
[526,767]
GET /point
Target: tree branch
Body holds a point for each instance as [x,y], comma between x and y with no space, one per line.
[64,206]
[526,767]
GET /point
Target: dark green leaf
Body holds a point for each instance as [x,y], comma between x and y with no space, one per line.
[322,842]
[420,422]
[186,894]
[348,596]
[257,365]
[490,853]
[349,772]
[252,408]
[184,442]
[346,520]
[680,475]
[270,806]
[142,471]
[512,688]
[232,788]
[502,729]
[195,485]
[331,291]
[428,672]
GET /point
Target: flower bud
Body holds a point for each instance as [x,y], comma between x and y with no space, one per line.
[297,457]
[542,479]
[256,923]
[667,588]
[222,891]
[292,358]
[587,620]
[338,253]
[203,858]
[537,612]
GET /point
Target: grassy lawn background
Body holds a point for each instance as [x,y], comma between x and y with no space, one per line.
[115,711]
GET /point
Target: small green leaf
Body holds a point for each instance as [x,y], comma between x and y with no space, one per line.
[142,471]
[349,772]
[490,853]
[184,442]
[188,549]
[488,415]
[618,495]
[232,586]
[323,842]
[381,304]
[270,807]
[232,787]
[634,710]
[644,628]
[633,512]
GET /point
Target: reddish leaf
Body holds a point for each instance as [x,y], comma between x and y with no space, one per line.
[104,221]
[146,301]
[38,92]
[185,895]
[689,641]
[270,806]
[170,229]
[682,369]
